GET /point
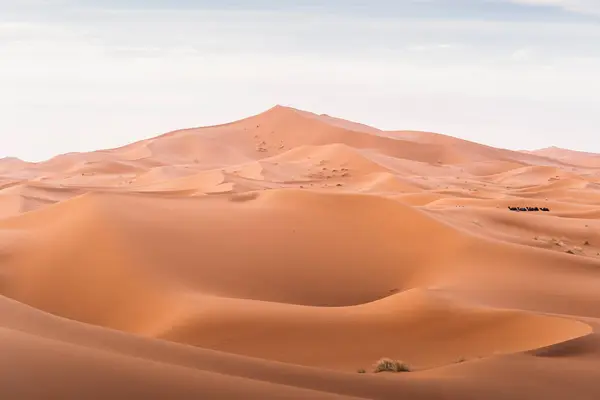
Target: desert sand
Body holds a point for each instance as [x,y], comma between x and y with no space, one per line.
[276,256]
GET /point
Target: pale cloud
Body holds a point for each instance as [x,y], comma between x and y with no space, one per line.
[580,6]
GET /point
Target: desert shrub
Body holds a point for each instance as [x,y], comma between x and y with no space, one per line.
[361,371]
[388,365]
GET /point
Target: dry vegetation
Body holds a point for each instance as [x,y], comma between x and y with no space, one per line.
[389,365]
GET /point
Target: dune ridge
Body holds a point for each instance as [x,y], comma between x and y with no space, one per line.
[274,256]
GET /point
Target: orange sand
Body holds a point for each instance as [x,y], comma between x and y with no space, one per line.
[275,256]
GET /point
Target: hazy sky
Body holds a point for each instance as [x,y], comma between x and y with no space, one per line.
[79,75]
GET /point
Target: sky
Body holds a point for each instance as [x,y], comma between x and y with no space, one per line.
[81,75]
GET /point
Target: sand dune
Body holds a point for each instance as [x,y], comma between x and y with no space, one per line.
[279,332]
[576,158]
[275,256]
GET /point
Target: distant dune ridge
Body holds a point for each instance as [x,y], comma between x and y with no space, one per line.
[276,256]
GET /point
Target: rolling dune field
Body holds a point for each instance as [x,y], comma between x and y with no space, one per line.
[278,256]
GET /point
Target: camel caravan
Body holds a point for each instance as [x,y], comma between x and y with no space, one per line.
[518,209]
